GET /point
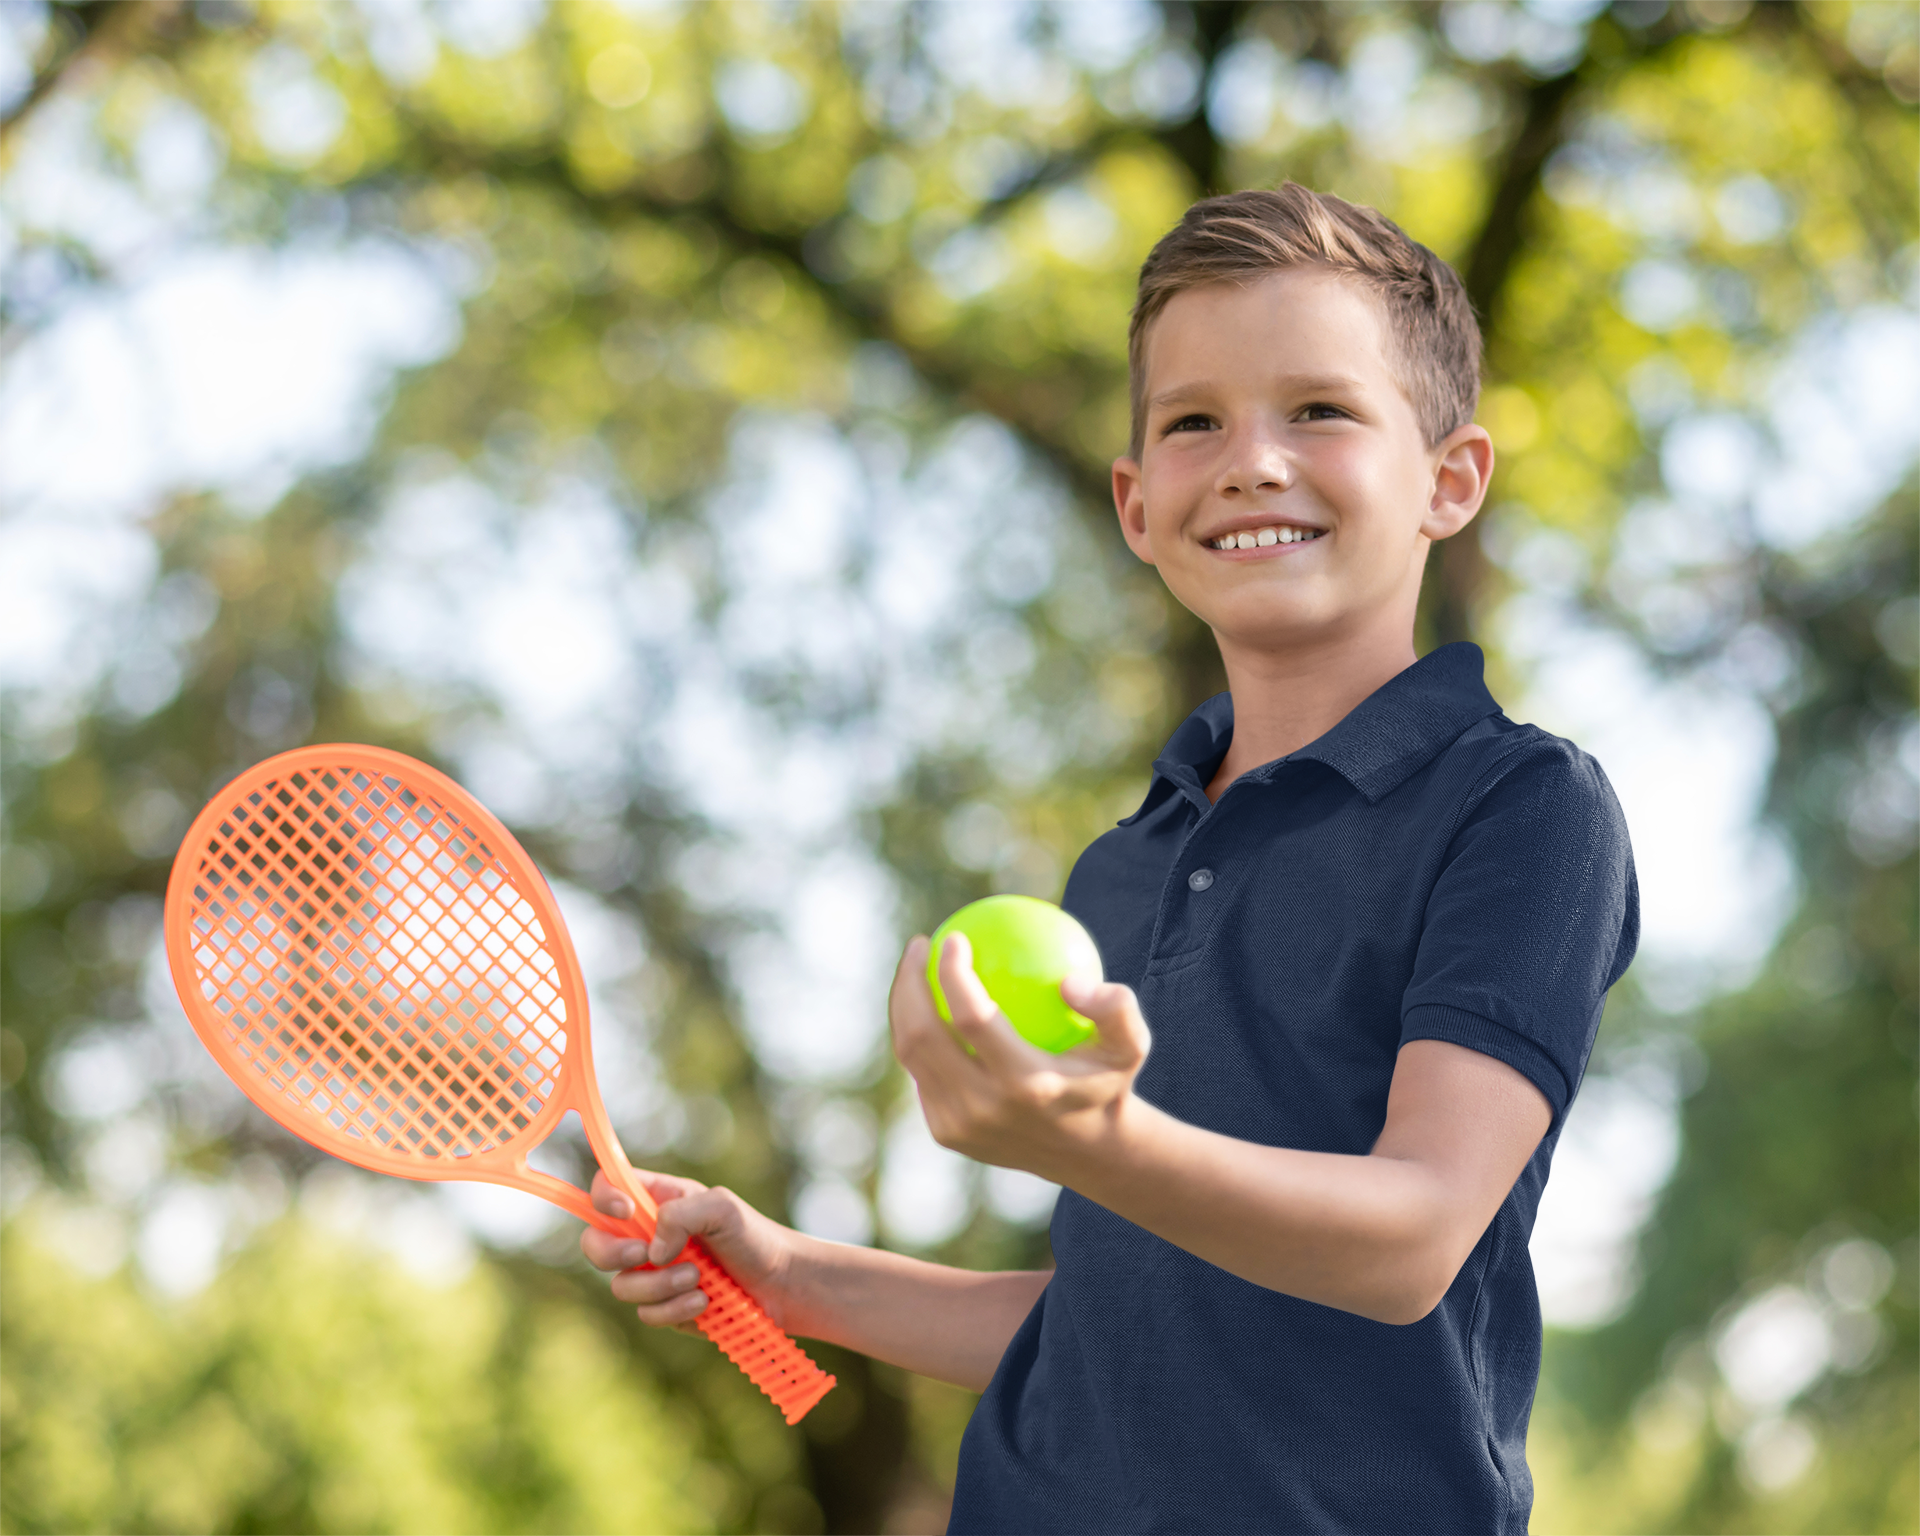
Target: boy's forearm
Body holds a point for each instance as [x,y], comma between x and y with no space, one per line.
[932,1319]
[1368,1235]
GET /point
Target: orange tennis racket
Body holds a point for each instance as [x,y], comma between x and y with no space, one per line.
[380,967]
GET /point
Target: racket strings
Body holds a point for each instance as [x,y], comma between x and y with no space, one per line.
[353,948]
[370,957]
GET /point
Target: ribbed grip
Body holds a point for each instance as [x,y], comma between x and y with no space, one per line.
[752,1341]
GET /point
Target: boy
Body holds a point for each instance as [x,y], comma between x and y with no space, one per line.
[1372,921]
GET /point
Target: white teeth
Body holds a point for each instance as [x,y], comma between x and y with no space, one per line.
[1266,537]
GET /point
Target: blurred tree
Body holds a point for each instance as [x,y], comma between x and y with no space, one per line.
[677,233]
[311,1388]
[1795,1199]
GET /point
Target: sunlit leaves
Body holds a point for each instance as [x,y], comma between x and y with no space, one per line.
[901,241]
[315,1387]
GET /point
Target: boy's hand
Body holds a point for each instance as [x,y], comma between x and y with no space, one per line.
[1012,1103]
[756,1250]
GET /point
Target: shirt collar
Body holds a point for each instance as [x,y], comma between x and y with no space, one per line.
[1384,740]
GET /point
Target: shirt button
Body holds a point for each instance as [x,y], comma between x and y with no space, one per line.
[1200,879]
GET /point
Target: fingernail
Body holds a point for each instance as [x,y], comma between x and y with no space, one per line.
[685,1277]
[621,1206]
[633,1255]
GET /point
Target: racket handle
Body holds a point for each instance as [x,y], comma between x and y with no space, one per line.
[754,1342]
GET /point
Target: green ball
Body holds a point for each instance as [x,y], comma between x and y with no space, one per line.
[1023,949]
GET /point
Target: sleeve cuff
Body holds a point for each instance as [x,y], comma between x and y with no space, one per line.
[1436,1021]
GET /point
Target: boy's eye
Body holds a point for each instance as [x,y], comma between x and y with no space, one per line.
[1321,411]
[1191,424]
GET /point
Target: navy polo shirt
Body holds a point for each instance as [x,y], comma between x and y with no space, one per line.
[1427,870]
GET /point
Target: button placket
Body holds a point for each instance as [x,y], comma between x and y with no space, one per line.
[1169,921]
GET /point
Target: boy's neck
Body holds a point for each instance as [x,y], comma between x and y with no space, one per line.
[1283,699]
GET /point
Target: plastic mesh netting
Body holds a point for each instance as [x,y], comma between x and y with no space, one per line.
[368,955]
[359,953]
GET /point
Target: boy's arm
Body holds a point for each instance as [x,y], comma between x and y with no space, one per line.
[950,1324]
[1381,1235]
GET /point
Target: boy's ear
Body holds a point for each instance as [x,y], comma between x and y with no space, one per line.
[1462,468]
[1130,501]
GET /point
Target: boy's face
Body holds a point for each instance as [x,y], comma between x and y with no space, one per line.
[1272,411]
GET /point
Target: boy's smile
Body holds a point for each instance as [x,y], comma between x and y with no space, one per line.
[1284,489]
[1265,538]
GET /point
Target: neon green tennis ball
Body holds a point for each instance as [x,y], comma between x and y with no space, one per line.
[1022,950]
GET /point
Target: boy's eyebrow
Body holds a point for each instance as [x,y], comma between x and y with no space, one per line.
[1300,383]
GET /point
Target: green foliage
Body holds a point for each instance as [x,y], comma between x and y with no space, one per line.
[671,228]
[313,1387]
[1800,1138]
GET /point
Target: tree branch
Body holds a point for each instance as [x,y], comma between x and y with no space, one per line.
[1503,231]
[1457,568]
[858,306]
[85,34]
[1210,26]
[1865,91]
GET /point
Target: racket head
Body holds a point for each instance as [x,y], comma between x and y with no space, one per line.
[379,966]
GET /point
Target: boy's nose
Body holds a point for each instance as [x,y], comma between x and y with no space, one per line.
[1260,472]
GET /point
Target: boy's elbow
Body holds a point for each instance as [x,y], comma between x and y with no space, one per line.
[1404,1311]
[1413,1294]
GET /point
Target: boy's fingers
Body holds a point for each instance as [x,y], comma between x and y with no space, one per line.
[654,1287]
[904,1007]
[678,1313]
[609,1252]
[670,1236]
[713,1213]
[662,1298]
[609,1201]
[977,1019]
[917,1029]
[966,998]
[1123,1036]
[683,1212]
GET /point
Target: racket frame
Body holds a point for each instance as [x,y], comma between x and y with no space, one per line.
[732,1318]
[576,1088]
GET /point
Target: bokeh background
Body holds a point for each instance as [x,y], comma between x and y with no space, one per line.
[688,425]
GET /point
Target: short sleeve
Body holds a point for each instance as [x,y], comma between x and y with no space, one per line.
[1535,914]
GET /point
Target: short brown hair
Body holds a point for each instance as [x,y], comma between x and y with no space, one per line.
[1243,236]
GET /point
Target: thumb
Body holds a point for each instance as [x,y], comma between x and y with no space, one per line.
[1122,1034]
[710,1213]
